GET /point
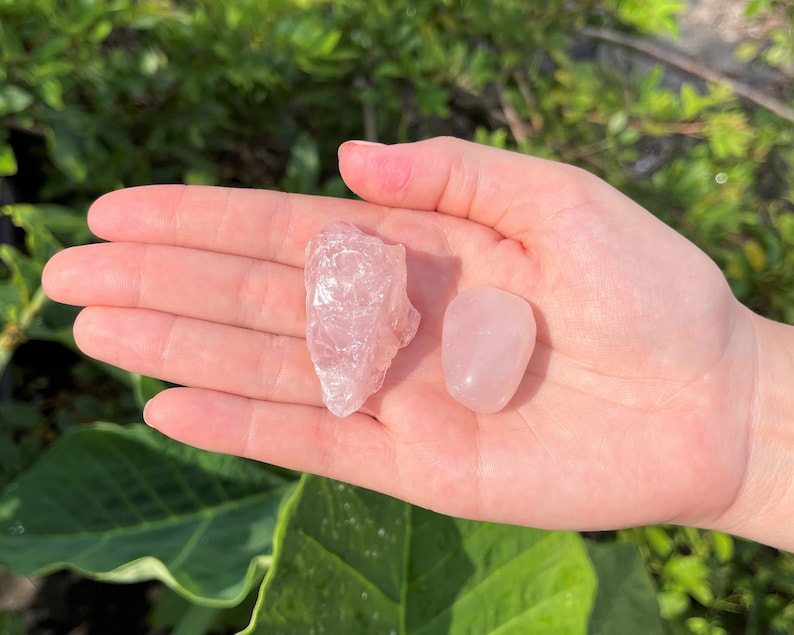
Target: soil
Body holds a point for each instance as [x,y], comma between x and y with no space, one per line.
[727,20]
[66,604]
[712,29]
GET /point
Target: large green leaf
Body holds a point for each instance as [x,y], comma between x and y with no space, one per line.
[11,624]
[128,504]
[626,599]
[351,561]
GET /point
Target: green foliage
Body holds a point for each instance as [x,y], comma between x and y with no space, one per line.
[777,51]
[11,624]
[712,583]
[20,438]
[623,587]
[100,95]
[172,611]
[381,565]
[652,17]
[126,504]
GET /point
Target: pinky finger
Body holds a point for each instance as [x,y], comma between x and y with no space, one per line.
[356,449]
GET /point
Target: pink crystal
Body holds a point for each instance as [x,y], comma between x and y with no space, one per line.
[358,314]
[486,342]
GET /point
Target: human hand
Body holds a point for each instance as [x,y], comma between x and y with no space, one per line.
[621,419]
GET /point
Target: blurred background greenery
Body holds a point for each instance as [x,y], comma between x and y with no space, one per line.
[97,95]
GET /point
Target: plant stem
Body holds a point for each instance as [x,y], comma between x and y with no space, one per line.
[14,332]
[692,67]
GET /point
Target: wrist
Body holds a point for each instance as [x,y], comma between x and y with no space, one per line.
[763,509]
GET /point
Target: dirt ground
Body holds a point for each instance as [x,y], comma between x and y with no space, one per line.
[726,18]
[66,604]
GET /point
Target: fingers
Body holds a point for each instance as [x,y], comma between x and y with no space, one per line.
[254,223]
[414,459]
[199,353]
[234,290]
[509,192]
[299,437]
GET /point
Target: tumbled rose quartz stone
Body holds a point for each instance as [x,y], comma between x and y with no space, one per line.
[487,339]
[358,314]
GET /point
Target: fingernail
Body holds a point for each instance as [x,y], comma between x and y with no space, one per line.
[361,144]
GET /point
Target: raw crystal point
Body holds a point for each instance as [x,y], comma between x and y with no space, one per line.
[357,312]
[486,342]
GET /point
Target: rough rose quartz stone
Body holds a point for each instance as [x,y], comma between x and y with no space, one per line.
[487,339]
[358,314]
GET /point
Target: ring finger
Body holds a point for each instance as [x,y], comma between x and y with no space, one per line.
[200,353]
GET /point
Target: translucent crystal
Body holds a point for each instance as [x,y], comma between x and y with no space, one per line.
[486,342]
[358,314]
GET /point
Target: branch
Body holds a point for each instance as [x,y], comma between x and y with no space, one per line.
[517,126]
[14,332]
[692,67]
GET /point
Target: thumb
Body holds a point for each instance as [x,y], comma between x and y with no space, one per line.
[506,191]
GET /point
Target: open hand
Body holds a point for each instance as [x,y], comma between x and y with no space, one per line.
[634,408]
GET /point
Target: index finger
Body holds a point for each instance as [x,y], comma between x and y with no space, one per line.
[259,224]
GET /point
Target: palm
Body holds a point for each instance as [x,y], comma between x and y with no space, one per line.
[613,424]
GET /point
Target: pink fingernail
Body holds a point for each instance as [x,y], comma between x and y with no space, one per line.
[362,143]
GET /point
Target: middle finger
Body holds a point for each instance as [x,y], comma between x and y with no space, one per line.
[223,288]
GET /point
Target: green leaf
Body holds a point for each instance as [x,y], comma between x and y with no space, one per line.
[692,102]
[196,619]
[702,626]
[303,167]
[8,161]
[17,452]
[174,614]
[101,30]
[11,624]
[11,299]
[723,546]
[747,51]
[54,48]
[67,143]
[754,7]
[626,599]
[659,540]
[692,574]
[51,93]
[18,414]
[199,177]
[352,561]
[67,225]
[673,603]
[25,272]
[13,100]
[128,504]
[729,134]
[654,17]
[54,324]
[617,123]
[40,243]
[145,388]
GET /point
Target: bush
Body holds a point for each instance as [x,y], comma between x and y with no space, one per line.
[99,95]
